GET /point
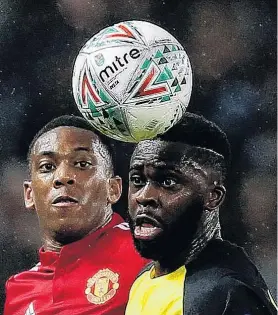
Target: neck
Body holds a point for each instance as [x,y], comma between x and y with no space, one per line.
[54,241]
[208,229]
[167,265]
[51,245]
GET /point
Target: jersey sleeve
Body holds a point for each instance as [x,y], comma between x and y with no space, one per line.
[243,301]
[229,297]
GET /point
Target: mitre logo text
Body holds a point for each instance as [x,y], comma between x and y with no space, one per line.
[118,63]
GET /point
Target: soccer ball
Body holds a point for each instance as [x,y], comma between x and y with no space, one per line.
[132,81]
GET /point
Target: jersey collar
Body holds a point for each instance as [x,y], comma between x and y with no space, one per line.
[71,251]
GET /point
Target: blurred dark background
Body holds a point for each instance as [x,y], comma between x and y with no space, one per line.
[232,48]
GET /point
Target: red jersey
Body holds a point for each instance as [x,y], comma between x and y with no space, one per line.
[90,276]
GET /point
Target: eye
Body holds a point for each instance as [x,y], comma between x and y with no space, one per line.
[168,183]
[46,167]
[83,164]
[136,180]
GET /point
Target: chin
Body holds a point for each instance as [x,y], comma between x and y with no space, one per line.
[152,249]
[146,250]
[68,235]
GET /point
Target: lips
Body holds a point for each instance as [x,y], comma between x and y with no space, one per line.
[146,227]
[64,201]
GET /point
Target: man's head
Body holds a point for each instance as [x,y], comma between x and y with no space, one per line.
[176,187]
[72,184]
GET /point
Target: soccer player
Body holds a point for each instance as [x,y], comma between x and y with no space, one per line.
[88,261]
[176,186]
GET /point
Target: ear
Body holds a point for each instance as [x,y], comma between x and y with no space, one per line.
[28,195]
[215,198]
[114,189]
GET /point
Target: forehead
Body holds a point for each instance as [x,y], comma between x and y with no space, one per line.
[162,152]
[65,139]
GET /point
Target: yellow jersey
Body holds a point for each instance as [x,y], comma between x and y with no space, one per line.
[151,295]
[221,280]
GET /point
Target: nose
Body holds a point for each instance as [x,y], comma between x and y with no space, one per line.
[148,196]
[63,176]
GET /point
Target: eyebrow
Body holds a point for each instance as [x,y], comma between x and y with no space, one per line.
[136,166]
[162,166]
[46,153]
[87,149]
[52,153]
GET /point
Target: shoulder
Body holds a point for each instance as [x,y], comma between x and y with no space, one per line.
[239,298]
[224,263]
[222,277]
[226,296]
[16,280]
[23,274]
[222,258]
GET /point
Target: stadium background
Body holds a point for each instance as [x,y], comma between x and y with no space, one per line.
[232,48]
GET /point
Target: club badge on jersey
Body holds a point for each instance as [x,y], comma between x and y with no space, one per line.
[102,286]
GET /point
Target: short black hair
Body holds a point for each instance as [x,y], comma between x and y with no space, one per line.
[198,131]
[73,121]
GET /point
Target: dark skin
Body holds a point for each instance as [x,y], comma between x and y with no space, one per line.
[168,191]
[71,187]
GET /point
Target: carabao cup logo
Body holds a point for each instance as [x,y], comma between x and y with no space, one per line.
[99,59]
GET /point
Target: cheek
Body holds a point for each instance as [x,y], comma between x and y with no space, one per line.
[96,189]
[177,199]
[41,189]
[131,203]
[177,204]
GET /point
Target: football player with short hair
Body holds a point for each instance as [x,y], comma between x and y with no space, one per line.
[86,247]
[176,186]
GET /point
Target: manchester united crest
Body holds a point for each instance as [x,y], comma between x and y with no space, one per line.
[102,286]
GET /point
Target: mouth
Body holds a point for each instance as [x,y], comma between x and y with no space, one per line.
[146,227]
[64,201]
